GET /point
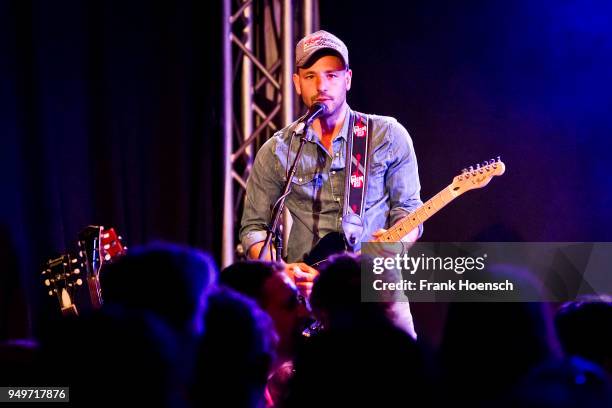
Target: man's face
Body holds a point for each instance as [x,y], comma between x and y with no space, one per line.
[326,81]
[289,315]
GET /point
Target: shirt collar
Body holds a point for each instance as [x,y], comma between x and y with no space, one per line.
[343,134]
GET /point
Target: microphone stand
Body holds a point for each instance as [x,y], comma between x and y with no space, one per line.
[277,210]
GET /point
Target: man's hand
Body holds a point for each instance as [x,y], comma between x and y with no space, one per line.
[300,273]
[303,276]
[255,249]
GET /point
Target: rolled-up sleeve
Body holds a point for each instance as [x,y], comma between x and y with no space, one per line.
[402,175]
[263,189]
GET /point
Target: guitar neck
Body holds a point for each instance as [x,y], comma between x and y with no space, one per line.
[420,215]
[469,179]
[95,291]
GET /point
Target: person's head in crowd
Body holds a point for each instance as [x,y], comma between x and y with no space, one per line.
[336,295]
[277,387]
[235,353]
[167,279]
[361,357]
[273,290]
[19,359]
[116,354]
[487,347]
[584,328]
[569,383]
[359,367]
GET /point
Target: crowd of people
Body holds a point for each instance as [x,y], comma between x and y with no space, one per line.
[176,332]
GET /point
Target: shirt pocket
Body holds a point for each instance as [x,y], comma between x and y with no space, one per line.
[305,189]
[376,184]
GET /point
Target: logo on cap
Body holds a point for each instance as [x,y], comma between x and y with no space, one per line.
[312,41]
[310,44]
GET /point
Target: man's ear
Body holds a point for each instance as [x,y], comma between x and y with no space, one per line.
[348,77]
[296,84]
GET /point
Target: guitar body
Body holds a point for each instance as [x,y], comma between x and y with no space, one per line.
[331,244]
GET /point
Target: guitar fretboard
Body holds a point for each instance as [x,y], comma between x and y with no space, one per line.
[419,216]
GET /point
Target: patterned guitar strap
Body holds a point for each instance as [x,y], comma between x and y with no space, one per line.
[356,179]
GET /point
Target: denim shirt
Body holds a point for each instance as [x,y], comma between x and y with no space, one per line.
[317,194]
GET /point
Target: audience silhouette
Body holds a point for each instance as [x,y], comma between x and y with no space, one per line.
[170,335]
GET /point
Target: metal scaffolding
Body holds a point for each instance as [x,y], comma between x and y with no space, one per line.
[259,37]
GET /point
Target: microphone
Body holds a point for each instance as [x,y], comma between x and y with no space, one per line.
[316,110]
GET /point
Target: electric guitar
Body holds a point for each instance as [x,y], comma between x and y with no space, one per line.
[471,178]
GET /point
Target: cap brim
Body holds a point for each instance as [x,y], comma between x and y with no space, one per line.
[321,52]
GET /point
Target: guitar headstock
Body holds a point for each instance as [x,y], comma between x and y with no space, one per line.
[478,176]
[111,246]
[62,276]
[98,246]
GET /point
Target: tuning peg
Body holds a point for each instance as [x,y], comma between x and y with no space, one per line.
[471,169]
[464,170]
[498,158]
[477,166]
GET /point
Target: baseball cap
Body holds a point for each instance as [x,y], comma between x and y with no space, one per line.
[317,41]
